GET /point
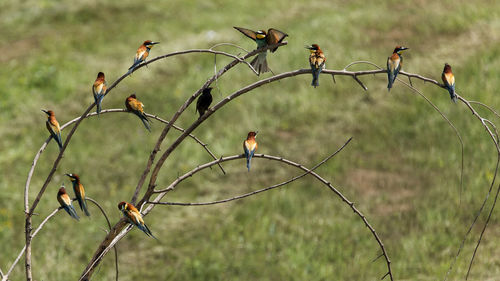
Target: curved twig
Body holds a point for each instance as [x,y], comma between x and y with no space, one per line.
[362,62]
[451,125]
[109,225]
[307,171]
[482,233]
[484,105]
[260,190]
[6,276]
[229,44]
[475,219]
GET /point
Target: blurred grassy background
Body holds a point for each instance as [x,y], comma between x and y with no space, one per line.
[402,168]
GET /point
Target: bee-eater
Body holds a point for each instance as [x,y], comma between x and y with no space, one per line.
[53,127]
[79,192]
[65,202]
[99,89]
[317,62]
[204,101]
[134,217]
[273,36]
[394,63]
[135,106]
[142,53]
[249,146]
[449,81]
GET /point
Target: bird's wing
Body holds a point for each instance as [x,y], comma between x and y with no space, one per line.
[247,32]
[275,36]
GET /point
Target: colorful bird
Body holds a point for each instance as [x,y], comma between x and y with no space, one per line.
[394,63]
[272,37]
[249,146]
[317,62]
[135,106]
[53,127]
[134,217]
[99,89]
[79,192]
[204,101]
[142,53]
[65,202]
[449,81]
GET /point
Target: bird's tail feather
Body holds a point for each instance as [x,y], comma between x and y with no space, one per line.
[259,63]
[98,103]
[315,81]
[58,139]
[72,212]
[453,95]
[83,206]
[249,160]
[146,123]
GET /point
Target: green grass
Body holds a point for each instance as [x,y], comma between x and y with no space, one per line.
[402,168]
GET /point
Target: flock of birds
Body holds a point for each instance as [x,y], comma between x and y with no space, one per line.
[273,36]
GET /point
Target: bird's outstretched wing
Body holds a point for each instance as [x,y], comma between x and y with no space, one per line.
[275,36]
[247,32]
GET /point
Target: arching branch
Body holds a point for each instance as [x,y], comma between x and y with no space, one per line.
[280,159]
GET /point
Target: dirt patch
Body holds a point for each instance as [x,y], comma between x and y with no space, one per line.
[17,49]
[395,189]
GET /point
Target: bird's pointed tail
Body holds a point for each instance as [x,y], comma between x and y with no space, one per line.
[259,63]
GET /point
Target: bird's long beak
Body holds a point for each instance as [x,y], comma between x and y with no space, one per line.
[69,175]
[154,43]
[404,48]
[309,47]
[46,112]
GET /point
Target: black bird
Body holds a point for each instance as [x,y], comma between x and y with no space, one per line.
[204,101]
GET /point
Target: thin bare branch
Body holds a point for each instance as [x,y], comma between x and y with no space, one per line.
[457,133]
[280,159]
[476,217]
[360,83]
[109,226]
[484,105]
[482,233]
[362,62]
[257,191]
[6,276]
[228,44]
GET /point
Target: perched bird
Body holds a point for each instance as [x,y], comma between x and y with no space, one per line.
[142,53]
[53,127]
[249,146]
[394,63]
[317,62]
[204,101]
[79,192]
[272,37]
[135,106]
[134,217]
[65,202]
[99,89]
[449,81]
